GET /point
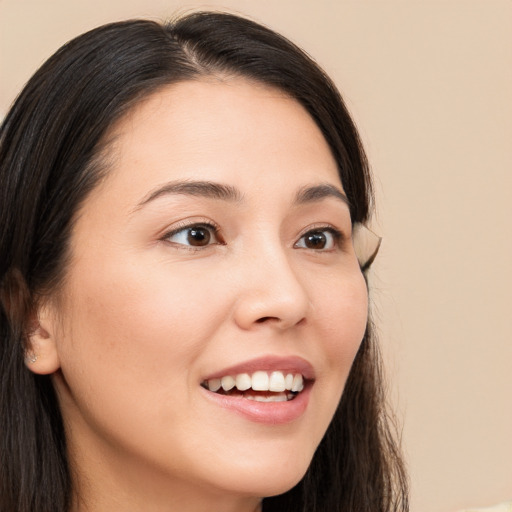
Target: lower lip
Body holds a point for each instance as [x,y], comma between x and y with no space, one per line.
[270,413]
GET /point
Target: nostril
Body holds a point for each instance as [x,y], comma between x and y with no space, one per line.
[264,319]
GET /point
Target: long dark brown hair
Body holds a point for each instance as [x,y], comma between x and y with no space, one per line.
[51,144]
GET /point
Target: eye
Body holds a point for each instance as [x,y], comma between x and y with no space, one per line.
[194,235]
[322,239]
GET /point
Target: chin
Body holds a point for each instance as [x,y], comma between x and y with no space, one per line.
[282,485]
[268,479]
[268,485]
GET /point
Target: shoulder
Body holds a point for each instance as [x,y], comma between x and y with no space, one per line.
[502,507]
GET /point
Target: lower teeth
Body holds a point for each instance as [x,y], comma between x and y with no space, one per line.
[259,396]
[281,397]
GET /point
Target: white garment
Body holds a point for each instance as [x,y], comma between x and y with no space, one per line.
[502,507]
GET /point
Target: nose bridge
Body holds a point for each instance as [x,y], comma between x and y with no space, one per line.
[271,289]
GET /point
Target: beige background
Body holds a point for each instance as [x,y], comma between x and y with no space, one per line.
[430,86]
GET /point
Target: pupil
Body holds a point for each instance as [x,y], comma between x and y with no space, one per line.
[316,240]
[198,236]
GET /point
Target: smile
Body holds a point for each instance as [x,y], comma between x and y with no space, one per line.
[271,389]
[260,386]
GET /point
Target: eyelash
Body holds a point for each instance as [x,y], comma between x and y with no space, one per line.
[337,236]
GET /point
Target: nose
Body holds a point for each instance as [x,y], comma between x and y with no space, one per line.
[270,292]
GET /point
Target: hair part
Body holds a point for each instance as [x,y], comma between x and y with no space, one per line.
[54,151]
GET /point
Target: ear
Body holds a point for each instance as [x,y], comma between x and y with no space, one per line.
[41,354]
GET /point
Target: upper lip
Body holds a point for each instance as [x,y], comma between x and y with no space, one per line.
[287,364]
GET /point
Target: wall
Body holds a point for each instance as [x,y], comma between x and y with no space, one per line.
[430,85]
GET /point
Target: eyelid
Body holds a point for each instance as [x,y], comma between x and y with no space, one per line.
[325,226]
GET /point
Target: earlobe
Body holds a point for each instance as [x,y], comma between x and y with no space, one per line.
[35,324]
[41,354]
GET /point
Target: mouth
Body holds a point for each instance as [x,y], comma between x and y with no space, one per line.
[271,390]
[259,386]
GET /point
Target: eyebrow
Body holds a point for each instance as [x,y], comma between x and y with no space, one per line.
[206,189]
[319,192]
[212,190]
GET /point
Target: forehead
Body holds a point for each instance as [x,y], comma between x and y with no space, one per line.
[234,131]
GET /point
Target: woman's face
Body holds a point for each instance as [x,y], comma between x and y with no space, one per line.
[217,248]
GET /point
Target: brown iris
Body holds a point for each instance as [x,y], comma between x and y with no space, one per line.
[198,236]
[315,240]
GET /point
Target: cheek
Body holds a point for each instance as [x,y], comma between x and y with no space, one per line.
[135,333]
[141,304]
[128,356]
[342,320]
[345,314]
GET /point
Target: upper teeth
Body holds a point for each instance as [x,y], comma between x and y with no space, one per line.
[259,381]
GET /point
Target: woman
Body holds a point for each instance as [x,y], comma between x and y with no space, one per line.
[182,304]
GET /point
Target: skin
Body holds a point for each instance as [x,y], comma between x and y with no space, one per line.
[142,319]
